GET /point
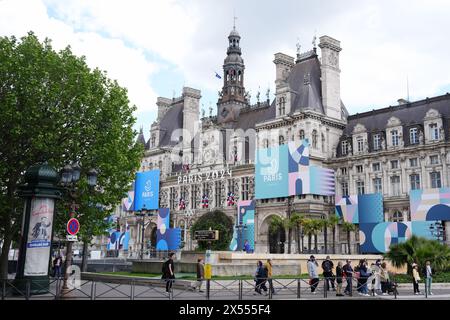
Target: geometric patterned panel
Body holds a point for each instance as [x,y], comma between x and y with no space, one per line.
[170,240]
[430,204]
[246,217]
[347,208]
[370,208]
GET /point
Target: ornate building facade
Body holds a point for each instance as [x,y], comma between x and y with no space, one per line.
[390,150]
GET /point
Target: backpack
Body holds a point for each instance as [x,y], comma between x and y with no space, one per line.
[327,266]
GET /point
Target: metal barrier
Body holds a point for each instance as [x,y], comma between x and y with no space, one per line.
[142,288]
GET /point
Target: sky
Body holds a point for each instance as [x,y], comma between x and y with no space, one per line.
[154,48]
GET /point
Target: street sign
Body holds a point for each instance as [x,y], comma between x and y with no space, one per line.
[73,226]
[71,238]
[206,235]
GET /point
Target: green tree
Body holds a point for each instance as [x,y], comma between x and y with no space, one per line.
[276,224]
[333,221]
[54,108]
[348,227]
[216,220]
[419,250]
[311,228]
[297,221]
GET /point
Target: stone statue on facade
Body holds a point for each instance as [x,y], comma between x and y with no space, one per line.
[383,144]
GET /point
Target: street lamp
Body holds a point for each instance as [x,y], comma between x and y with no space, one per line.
[70,175]
[142,213]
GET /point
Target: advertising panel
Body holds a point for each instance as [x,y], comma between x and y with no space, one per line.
[146,190]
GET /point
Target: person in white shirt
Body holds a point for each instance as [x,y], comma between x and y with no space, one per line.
[428,273]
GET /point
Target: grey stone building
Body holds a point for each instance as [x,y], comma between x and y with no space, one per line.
[389,150]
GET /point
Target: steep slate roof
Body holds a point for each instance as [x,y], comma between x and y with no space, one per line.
[408,114]
[172,120]
[306,96]
[250,116]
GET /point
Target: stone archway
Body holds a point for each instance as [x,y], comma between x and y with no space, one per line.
[274,241]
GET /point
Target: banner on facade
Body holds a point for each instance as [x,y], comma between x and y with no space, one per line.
[146,190]
[244,230]
[39,237]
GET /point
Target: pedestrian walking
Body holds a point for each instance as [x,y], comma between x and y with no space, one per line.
[362,279]
[268,267]
[168,272]
[339,278]
[260,278]
[57,265]
[428,274]
[313,275]
[416,279]
[327,267]
[384,279]
[348,273]
[200,274]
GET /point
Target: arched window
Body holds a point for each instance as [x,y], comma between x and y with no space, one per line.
[302,134]
[314,139]
[397,216]
[281,140]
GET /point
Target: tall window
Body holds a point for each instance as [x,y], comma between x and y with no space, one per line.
[244,188]
[394,164]
[394,135]
[172,198]
[359,168]
[360,144]
[434,159]
[302,134]
[266,143]
[281,140]
[415,181]
[194,196]
[376,167]
[435,179]
[323,143]
[434,131]
[395,185]
[282,106]
[345,188]
[377,187]
[413,136]
[397,216]
[377,141]
[344,146]
[314,139]
[218,197]
[360,187]
[153,140]
[413,162]
[343,171]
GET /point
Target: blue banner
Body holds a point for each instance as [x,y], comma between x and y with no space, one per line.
[146,190]
[271,172]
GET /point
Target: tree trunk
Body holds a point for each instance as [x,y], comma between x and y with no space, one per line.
[325,238]
[289,239]
[298,239]
[4,256]
[315,244]
[68,263]
[334,240]
[85,256]
[309,243]
[348,242]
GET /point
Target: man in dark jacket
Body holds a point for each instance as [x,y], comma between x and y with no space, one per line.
[168,272]
[327,267]
[348,272]
[200,274]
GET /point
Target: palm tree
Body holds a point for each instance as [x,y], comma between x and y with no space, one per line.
[308,230]
[296,221]
[276,223]
[419,250]
[348,227]
[317,226]
[333,221]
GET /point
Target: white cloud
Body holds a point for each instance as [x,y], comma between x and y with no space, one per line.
[383,41]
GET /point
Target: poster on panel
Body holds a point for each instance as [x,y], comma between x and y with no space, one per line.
[146,190]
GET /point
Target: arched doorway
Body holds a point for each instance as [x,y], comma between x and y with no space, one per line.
[276,239]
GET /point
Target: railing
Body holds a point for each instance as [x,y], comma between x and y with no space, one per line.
[144,288]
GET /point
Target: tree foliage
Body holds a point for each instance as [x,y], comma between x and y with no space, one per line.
[216,220]
[54,108]
[419,250]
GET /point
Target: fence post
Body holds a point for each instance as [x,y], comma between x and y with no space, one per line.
[3,289]
[270,288]
[351,285]
[28,289]
[299,287]
[57,289]
[395,288]
[93,289]
[325,286]
[132,290]
[208,283]
[426,287]
[240,289]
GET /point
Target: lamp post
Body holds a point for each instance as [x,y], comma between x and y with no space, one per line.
[143,213]
[70,176]
[40,192]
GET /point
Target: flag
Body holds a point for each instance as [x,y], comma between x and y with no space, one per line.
[218,76]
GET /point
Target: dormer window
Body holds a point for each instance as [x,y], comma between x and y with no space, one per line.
[434,131]
[377,141]
[344,146]
[413,136]
[360,144]
[394,135]
[282,106]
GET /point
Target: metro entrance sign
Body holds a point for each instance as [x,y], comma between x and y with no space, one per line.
[73,226]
